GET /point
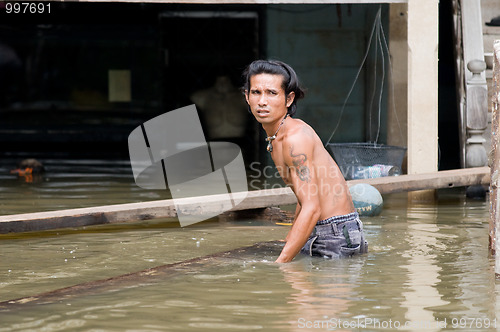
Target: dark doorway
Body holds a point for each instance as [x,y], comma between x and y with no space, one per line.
[204,54]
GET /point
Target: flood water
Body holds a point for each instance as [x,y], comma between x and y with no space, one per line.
[427,269]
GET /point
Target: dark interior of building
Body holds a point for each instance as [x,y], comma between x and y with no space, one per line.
[63,91]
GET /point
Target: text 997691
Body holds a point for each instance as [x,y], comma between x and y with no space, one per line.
[26,8]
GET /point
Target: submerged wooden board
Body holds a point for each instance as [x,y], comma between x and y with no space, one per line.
[141,278]
[122,213]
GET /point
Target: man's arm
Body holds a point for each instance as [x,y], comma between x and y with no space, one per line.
[298,151]
[297,211]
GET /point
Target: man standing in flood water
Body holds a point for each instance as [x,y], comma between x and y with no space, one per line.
[325,222]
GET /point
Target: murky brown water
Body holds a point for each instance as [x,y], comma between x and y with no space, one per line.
[428,268]
[71,184]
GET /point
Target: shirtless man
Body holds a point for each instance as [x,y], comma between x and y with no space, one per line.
[326,223]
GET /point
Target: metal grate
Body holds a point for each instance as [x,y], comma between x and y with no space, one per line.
[367,160]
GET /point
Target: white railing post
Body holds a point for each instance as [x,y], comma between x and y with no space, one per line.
[471,87]
[476,115]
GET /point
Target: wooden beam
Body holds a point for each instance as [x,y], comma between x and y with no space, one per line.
[131,212]
[257,2]
[443,179]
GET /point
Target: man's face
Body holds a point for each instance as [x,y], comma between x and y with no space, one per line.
[267,99]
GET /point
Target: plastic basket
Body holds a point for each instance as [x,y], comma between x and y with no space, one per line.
[367,160]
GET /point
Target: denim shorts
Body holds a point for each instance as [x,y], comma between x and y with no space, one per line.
[337,237]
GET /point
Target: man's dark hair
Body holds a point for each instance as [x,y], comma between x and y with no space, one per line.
[290,80]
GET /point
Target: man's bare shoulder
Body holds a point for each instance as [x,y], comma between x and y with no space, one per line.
[299,130]
[300,133]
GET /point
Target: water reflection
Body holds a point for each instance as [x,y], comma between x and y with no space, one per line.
[321,299]
[448,246]
[425,242]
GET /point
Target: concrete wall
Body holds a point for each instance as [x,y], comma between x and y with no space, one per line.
[326,45]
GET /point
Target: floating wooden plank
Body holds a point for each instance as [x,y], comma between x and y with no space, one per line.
[132,212]
[259,2]
[443,179]
[128,280]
